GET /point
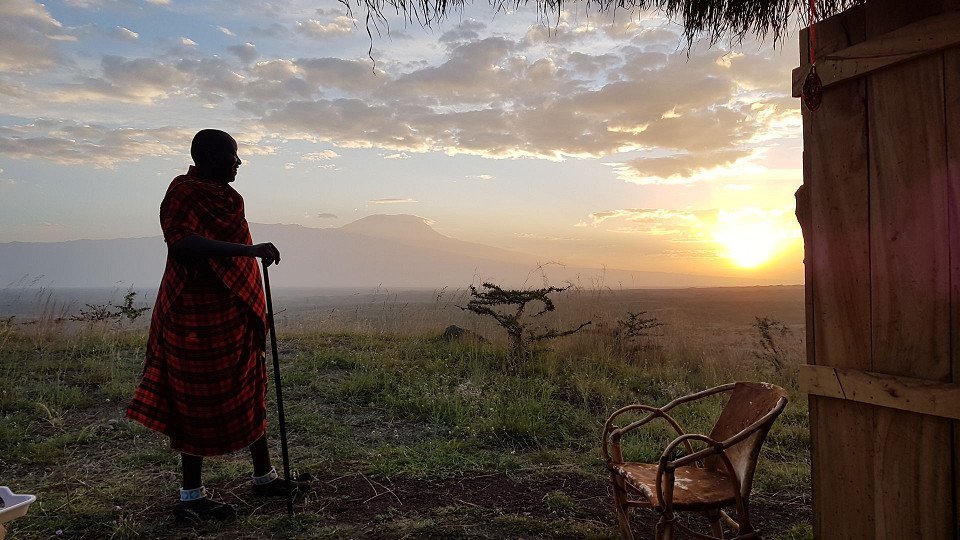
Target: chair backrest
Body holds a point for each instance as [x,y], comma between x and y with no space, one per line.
[749,402]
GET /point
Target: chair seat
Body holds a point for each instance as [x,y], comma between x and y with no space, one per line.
[694,488]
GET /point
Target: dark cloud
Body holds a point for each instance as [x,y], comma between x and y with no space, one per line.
[246,52]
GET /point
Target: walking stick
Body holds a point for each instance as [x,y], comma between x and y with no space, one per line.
[276,377]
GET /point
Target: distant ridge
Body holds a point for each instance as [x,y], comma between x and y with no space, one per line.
[400,226]
[388,250]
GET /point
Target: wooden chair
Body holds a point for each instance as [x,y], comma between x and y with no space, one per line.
[707,480]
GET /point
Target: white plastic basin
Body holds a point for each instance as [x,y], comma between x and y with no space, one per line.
[14,505]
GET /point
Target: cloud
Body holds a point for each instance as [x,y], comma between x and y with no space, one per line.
[549,238]
[468,30]
[125,34]
[392,201]
[326,215]
[326,155]
[211,77]
[68,143]
[473,73]
[149,80]
[591,65]
[353,76]
[483,177]
[28,36]
[16,90]
[678,168]
[187,42]
[662,116]
[314,28]
[226,31]
[676,117]
[399,155]
[679,224]
[247,52]
[139,80]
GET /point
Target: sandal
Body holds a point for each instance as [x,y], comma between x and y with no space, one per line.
[203,509]
[277,487]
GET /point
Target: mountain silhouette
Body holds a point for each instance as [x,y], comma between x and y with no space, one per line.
[388,250]
[399,227]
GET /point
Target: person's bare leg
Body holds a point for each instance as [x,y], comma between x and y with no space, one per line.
[260,454]
[194,503]
[192,470]
[266,482]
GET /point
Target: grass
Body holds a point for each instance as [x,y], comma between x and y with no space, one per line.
[409,436]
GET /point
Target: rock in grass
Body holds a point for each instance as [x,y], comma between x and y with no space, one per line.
[456,333]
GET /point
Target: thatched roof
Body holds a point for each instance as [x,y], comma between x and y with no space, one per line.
[716,19]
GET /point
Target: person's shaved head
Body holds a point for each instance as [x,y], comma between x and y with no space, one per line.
[215,154]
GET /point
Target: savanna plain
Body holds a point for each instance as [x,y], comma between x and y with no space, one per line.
[406,434]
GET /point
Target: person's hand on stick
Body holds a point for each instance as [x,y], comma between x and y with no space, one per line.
[267,252]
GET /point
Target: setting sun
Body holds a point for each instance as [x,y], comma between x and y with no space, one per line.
[750,238]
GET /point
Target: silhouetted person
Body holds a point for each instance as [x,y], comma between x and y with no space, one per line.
[204,382]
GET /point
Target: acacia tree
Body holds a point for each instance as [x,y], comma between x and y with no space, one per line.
[507,307]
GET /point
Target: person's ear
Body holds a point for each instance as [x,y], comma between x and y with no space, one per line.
[206,158]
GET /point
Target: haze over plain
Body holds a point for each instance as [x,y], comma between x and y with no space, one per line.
[379,250]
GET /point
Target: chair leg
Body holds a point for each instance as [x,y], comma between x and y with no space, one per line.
[716,527]
[623,510]
[664,528]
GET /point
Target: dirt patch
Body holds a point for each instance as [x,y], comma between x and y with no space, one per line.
[363,501]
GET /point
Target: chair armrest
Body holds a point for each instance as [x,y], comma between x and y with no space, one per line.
[714,447]
[613,434]
[668,466]
[616,433]
[718,447]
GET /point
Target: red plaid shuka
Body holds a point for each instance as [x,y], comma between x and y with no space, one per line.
[204,382]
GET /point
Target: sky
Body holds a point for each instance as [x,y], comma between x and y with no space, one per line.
[590,140]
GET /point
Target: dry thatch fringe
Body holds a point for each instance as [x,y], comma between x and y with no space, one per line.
[718,19]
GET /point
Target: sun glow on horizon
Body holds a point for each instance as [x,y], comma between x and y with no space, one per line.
[751,238]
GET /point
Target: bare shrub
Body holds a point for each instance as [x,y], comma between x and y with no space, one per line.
[633,330]
[772,333]
[111,312]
